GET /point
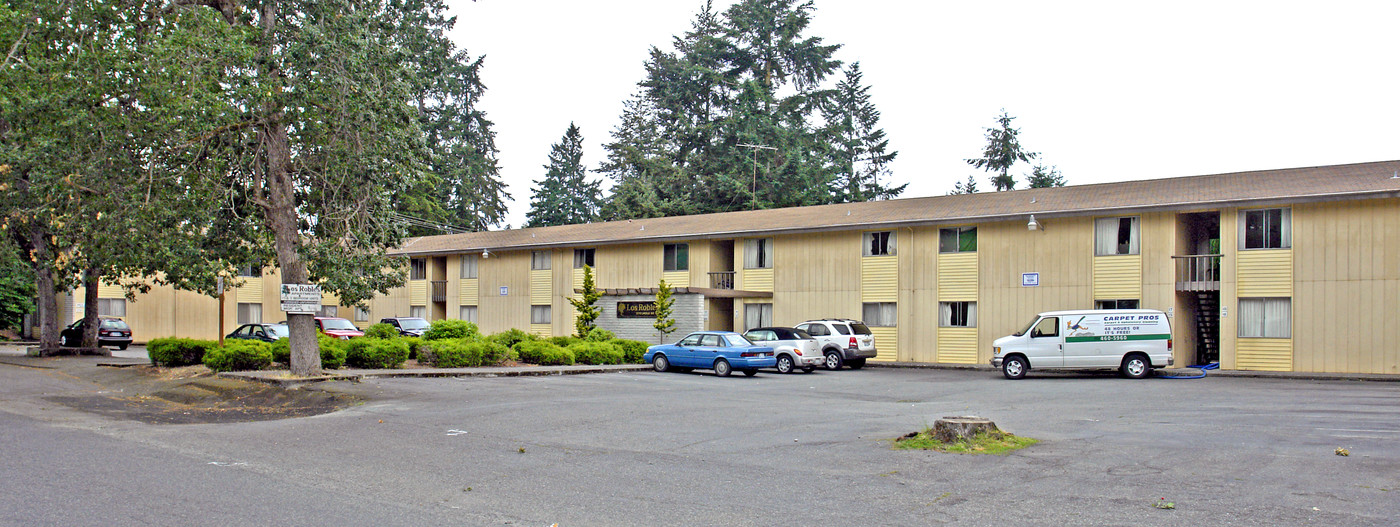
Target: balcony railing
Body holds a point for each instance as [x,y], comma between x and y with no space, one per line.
[1199,272]
[722,280]
[439,290]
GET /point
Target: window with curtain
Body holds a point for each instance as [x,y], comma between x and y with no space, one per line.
[584,257]
[757,315]
[252,271]
[469,263]
[417,269]
[540,314]
[957,240]
[1116,236]
[539,260]
[1266,229]
[879,243]
[1116,304]
[957,314]
[880,314]
[111,307]
[758,253]
[328,311]
[361,314]
[1266,318]
[418,311]
[249,313]
[467,313]
[676,257]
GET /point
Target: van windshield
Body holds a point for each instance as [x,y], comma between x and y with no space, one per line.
[1027,328]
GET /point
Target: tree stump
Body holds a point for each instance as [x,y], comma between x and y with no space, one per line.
[961,428]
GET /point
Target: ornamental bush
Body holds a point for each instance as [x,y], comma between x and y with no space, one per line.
[375,353]
[239,355]
[596,353]
[599,335]
[632,350]
[464,353]
[332,354]
[382,330]
[177,351]
[543,353]
[451,329]
[564,341]
[413,344]
[509,338]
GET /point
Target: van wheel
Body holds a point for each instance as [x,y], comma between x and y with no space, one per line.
[1014,367]
[833,360]
[1135,366]
[784,364]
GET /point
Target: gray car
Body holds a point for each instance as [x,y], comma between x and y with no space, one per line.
[792,347]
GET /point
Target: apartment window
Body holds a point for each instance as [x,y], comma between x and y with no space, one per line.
[1266,317]
[252,271]
[539,260]
[1116,236]
[111,307]
[361,314]
[758,253]
[1266,229]
[879,314]
[758,315]
[418,311]
[957,240]
[328,311]
[469,262]
[676,256]
[879,243]
[539,314]
[417,269]
[957,314]
[584,257]
[1116,304]
[468,313]
[249,313]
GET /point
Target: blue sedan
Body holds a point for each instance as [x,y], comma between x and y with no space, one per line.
[722,351]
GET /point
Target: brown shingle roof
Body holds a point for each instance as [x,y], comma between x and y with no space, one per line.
[1360,180]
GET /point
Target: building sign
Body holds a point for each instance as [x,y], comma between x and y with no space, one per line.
[636,310]
[1030,279]
[301,298]
[505,291]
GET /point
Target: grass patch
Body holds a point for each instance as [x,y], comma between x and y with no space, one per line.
[995,443]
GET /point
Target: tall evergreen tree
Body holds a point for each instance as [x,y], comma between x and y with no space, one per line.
[1002,151]
[565,196]
[1044,177]
[858,145]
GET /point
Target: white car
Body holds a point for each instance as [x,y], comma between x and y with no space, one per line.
[793,347]
[843,341]
[1131,340]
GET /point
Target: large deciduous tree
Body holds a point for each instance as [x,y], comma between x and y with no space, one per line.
[1002,151]
[565,196]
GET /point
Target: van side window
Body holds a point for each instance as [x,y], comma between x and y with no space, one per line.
[1048,327]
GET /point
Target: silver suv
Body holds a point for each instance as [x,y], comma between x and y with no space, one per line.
[843,341]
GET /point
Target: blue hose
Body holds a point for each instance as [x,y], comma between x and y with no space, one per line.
[1202,367]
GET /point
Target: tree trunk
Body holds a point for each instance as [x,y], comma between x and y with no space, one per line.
[90,322]
[961,428]
[49,325]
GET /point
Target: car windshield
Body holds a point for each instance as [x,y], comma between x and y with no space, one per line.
[860,328]
[277,330]
[339,324]
[114,324]
[801,334]
[1028,327]
[413,323]
[736,341]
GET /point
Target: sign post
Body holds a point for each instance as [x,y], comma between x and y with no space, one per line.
[301,298]
[221,310]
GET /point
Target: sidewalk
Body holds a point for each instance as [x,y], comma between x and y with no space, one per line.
[284,379]
[1166,372]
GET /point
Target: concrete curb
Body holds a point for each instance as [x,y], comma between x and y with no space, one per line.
[282,378]
[1286,375]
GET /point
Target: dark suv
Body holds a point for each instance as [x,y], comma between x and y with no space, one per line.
[110,332]
[407,326]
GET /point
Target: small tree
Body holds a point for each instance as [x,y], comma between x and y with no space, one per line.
[1003,150]
[664,323]
[586,306]
[1045,177]
[965,188]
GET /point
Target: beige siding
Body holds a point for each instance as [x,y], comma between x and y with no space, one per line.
[511,270]
[957,277]
[957,345]
[879,279]
[699,264]
[757,280]
[541,287]
[417,292]
[918,294]
[1062,254]
[676,278]
[251,292]
[1264,354]
[886,343]
[1265,273]
[563,313]
[1118,277]
[624,266]
[1229,302]
[814,277]
[543,330]
[105,290]
[469,291]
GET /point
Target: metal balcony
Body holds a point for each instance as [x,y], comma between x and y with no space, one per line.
[722,280]
[1199,272]
[439,290]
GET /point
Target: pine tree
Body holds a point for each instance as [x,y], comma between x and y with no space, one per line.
[858,145]
[664,323]
[586,305]
[565,196]
[970,187]
[1045,177]
[1003,150]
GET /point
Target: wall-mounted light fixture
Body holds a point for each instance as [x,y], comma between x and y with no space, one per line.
[485,253]
[1034,225]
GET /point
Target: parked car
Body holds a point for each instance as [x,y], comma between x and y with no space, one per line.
[722,351]
[338,327]
[111,331]
[1132,340]
[792,347]
[843,341]
[263,332]
[407,326]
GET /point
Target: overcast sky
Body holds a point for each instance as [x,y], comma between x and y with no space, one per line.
[1106,91]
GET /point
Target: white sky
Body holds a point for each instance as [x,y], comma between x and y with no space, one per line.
[1106,91]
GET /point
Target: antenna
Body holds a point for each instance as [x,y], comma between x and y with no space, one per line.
[753,190]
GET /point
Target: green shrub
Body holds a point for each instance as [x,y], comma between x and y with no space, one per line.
[463,353]
[596,353]
[239,355]
[451,329]
[177,351]
[375,353]
[598,335]
[332,354]
[511,337]
[632,350]
[413,343]
[543,352]
[564,341]
[382,330]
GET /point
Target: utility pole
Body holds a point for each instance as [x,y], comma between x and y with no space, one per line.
[753,188]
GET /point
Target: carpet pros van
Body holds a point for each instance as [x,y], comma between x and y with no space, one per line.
[1131,340]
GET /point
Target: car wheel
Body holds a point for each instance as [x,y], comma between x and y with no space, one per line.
[833,360]
[722,368]
[659,363]
[784,364]
[750,372]
[1135,367]
[123,346]
[855,364]
[1014,367]
[66,342]
[809,369]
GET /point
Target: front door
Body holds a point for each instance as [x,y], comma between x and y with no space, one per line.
[1045,349]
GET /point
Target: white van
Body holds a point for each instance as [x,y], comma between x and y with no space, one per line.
[1132,340]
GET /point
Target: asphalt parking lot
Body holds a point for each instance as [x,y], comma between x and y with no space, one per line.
[801,449]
